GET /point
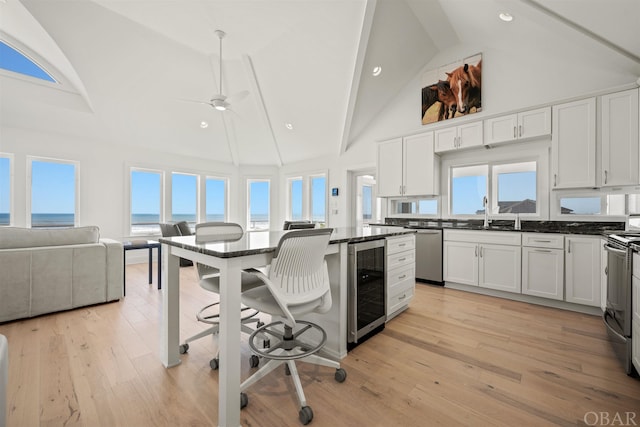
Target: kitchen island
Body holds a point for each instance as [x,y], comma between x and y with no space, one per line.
[253,249]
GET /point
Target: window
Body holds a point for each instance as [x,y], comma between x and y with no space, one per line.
[319,199]
[417,207]
[146,201]
[216,199]
[53,193]
[13,60]
[516,188]
[5,190]
[468,189]
[258,209]
[581,205]
[295,199]
[367,202]
[184,198]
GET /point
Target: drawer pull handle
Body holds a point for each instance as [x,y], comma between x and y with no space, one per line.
[543,241]
[403,296]
[402,277]
[402,259]
[402,244]
[543,250]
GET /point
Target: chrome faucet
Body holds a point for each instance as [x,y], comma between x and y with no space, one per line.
[485,202]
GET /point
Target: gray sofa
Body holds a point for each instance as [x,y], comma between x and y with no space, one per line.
[49,270]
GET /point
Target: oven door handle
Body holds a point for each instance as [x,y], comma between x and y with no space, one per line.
[612,249]
[606,314]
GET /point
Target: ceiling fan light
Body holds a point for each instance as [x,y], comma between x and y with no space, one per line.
[220,107]
[506,17]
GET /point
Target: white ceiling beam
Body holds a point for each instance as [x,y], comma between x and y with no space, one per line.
[230,133]
[367,23]
[262,108]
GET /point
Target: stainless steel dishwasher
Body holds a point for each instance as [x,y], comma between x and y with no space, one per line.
[429,256]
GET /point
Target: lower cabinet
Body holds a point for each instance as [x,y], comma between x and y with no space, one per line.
[543,265]
[583,284]
[401,273]
[479,258]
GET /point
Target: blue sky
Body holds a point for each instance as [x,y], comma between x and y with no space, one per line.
[12,60]
[52,187]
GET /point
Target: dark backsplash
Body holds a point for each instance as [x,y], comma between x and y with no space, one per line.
[566,227]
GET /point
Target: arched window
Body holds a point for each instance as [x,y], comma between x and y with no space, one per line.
[13,60]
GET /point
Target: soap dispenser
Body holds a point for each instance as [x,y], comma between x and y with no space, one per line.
[516,225]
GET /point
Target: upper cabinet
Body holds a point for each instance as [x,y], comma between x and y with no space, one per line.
[456,137]
[520,126]
[573,144]
[619,137]
[408,167]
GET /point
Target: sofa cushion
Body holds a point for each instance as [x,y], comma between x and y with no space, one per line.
[16,237]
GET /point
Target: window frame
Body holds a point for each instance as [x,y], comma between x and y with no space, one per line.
[326,197]
[130,200]
[29,183]
[250,181]
[197,194]
[225,180]
[11,210]
[515,167]
[602,194]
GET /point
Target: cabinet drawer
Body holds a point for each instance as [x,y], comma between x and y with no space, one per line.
[399,277]
[399,300]
[399,244]
[635,299]
[400,259]
[543,240]
[489,237]
[636,265]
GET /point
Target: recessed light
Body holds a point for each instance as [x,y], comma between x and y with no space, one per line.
[377,70]
[204,124]
[288,126]
[506,17]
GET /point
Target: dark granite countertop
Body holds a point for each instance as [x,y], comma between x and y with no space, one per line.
[563,227]
[256,242]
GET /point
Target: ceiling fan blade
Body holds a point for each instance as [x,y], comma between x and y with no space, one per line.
[194,101]
[237,97]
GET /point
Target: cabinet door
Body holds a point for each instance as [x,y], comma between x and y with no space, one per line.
[543,272]
[445,139]
[500,129]
[582,270]
[390,168]
[620,138]
[460,263]
[534,123]
[573,144]
[421,166]
[500,267]
[470,135]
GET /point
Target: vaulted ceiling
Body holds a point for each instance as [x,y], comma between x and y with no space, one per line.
[128,68]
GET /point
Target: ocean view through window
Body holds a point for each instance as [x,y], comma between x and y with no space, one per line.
[295,199]
[258,204]
[184,198]
[53,193]
[146,201]
[319,199]
[216,199]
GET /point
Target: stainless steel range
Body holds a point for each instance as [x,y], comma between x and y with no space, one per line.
[617,314]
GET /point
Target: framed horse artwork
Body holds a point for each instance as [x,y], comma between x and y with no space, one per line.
[453,90]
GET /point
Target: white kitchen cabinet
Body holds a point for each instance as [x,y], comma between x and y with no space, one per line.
[520,126]
[401,273]
[619,138]
[460,262]
[573,144]
[458,137]
[543,265]
[408,167]
[500,267]
[486,259]
[582,270]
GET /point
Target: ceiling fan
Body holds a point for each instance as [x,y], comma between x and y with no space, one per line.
[220,101]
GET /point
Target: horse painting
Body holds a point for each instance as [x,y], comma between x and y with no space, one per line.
[466,83]
[452,91]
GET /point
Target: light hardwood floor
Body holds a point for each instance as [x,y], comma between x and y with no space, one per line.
[452,359]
